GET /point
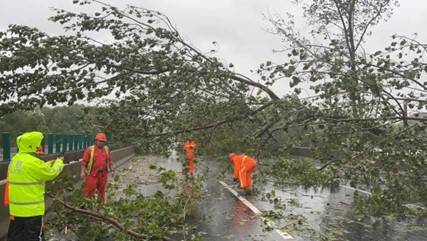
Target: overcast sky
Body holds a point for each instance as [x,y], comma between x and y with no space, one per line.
[237,25]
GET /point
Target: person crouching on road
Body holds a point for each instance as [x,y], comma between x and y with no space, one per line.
[26,176]
[96,165]
[244,166]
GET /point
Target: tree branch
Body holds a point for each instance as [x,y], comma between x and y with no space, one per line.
[177,37]
[243,79]
[104,219]
[396,73]
[369,24]
[214,125]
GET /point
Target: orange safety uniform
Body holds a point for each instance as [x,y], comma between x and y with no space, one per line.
[97,177]
[236,161]
[189,150]
[6,200]
[244,166]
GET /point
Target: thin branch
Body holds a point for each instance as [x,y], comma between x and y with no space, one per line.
[141,71]
[369,24]
[424,46]
[396,73]
[347,40]
[214,125]
[359,154]
[412,99]
[104,219]
[244,79]
[177,37]
[106,80]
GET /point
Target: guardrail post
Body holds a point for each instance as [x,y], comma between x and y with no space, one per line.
[64,143]
[6,146]
[75,142]
[70,142]
[58,139]
[50,141]
[86,141]
[79,142]
[82,141]
[43,143]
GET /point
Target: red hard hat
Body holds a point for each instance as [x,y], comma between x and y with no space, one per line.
[100,137]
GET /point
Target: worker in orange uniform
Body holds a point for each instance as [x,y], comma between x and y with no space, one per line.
[244,166]
[96,165]
[190,153]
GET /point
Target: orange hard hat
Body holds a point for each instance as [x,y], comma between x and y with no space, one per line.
[101,137]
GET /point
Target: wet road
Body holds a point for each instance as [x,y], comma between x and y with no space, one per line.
[316,213]
[221,216]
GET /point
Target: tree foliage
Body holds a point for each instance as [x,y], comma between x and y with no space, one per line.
[157,85]
[129,214]
[358,119]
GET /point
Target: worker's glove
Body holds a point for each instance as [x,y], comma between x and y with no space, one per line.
[235,179]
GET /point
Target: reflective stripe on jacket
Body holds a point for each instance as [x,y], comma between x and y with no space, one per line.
[90,162]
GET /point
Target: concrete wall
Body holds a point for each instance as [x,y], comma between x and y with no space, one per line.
[72,169]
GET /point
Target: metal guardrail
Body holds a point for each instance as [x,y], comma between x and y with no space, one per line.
[52,143]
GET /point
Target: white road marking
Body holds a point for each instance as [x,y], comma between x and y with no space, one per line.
[284,235]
